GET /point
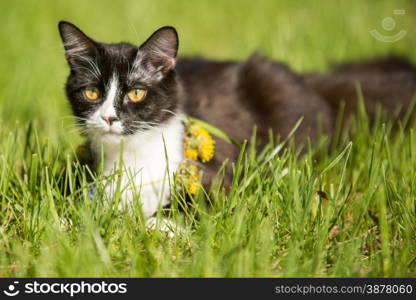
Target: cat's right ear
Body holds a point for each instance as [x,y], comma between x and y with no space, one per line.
[78,46]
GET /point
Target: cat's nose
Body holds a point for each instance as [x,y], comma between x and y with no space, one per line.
[109,120]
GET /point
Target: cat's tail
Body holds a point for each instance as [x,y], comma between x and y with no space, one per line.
[279,99]
[389,81]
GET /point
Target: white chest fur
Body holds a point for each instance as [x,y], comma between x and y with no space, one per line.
[149,160]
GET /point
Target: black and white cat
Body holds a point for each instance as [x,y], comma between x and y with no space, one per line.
[121,93]
[134,95]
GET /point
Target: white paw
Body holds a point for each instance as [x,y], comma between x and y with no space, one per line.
[64,224]
[165,225]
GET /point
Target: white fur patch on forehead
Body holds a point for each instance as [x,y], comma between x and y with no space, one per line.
[112,87]
[108,108]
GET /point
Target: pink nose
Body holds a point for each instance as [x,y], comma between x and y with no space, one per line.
[109,120]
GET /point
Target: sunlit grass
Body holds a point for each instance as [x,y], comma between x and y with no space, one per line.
[346,212]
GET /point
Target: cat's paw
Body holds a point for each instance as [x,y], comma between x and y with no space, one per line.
[64,224]
[165,225]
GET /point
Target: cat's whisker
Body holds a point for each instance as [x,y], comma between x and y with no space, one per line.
[94,65]
[143,125]
[91,71]
[68,117]
[148,126]
[76,130]
[95,70]
[81,119]
[76,120]
[71,131]
[71,126]
[170,112]
[145,122]
[129,69]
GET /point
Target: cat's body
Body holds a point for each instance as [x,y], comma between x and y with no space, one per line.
[235,96]
[143,91]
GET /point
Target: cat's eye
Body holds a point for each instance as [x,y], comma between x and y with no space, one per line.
[136,95]
[91,93]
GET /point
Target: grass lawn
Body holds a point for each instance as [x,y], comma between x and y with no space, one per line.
[345,212]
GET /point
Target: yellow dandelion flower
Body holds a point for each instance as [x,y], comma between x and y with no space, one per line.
[193,170]
[195,130]
[193,188]
[197,144]
[191,153]
[200,132]
[206,151]
[206,147]
[188,176]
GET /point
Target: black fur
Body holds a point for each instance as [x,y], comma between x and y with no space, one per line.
[235,96]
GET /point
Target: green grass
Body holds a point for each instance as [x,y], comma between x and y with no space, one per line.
[349,213]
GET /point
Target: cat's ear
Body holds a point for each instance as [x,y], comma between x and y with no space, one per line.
[78,46]
[161,48]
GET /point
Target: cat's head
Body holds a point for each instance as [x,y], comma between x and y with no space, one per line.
[120,89]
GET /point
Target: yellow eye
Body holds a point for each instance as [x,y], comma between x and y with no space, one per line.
[91,93]
[136,95]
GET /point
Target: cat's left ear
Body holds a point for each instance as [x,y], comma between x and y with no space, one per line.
[161,48]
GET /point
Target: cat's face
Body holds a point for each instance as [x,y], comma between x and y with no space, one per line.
[120,89]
